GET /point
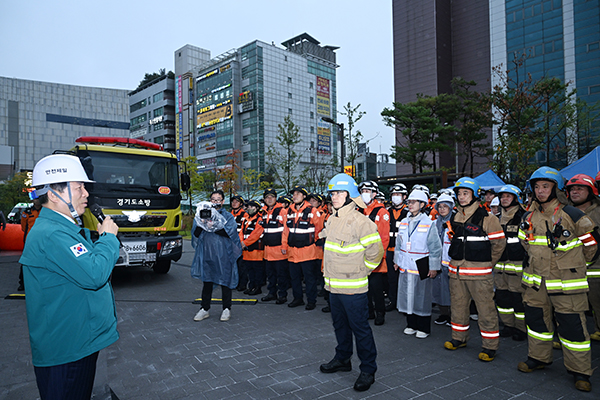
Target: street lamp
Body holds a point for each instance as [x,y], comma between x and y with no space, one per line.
[341,129]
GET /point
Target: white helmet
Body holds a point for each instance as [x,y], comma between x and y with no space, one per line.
[444,198]
[58,168]
[418,195]
[422,188]
[495,202]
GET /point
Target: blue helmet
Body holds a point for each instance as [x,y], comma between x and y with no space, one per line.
[344,182]
[467,183]
[548,174]
[512,189]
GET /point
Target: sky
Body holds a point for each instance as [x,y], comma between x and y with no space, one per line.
[113,44]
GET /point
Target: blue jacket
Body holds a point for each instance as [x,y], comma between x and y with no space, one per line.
[70,303]
[216,256]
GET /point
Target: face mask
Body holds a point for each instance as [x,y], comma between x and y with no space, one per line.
[216,206]
[396,200]
[366,197]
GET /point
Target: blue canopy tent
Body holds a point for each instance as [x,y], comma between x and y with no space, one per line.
[489,180]
[588,164]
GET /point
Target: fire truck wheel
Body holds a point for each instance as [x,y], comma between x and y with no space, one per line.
[162,267]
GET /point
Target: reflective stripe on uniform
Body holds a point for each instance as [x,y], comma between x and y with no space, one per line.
[347,283]
[496,235]
[341,249]
[302,230]
[372,238]
[543,336]
[520,315]
[593,273]
[571,284]
[576,346]
[273,230]
[460,328]
[507,311]
[490,335]
[531,279]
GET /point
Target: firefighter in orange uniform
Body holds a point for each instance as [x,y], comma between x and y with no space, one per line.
[378,214]
[238,212]
[276,263]
[253,256]
[303,224]
[316,201]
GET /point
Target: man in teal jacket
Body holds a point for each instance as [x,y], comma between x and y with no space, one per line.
[70,303]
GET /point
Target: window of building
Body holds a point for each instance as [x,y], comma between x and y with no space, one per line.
[289,79]
[158,127]
[594,89]
[593,46]
[289,111]
[137,106]
[312,100]
[312,115]
[138,120]
[158,97]
[289,95]
[284,58]
[158,112]
[312,130]
[310,85]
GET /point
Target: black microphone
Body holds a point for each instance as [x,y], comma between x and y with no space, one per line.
[97,212]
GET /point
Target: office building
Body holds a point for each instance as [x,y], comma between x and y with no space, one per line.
[242,96]
[37,118]
[436,40]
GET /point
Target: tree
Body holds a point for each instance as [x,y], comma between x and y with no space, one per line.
[283,159]
[354,115]
[230,172]
[472,119]
[254,180]
[150,77]
[320,170]
[13,191]
[423,132]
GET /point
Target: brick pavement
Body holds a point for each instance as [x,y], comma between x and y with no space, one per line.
[268,351]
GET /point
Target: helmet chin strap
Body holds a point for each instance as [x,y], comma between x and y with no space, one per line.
[69,204]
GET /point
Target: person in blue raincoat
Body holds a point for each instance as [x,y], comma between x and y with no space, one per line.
[217,244]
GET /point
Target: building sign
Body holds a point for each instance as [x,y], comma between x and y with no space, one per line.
[214,116]
[213,106]
[323,103]
[156,120]
[208,74]
[323,138]
[208,162]
[245,102]
[179,95]
[179,135]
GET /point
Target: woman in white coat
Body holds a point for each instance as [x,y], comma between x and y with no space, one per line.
[417,239]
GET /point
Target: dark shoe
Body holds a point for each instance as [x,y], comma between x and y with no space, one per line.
[240,288]
[247,291]
[336,365]
[442,320]
[454,344]
[21,287]
[281,300]
[371,314]
[487,355]
[507,331]
[582,382]
[255,291]
[519,336]
[380,318]
[269,297]
[390,307]
[364,382]
[531,365]
[326,309]
[310,306]
[321,292]
[296,303]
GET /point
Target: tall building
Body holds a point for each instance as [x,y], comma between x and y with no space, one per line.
[152,112]
[436,40]
[37,118]
[240,97]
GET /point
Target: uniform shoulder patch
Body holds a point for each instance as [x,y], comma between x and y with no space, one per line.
[78,249]
[386,217]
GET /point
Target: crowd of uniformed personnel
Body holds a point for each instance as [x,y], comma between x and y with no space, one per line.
[527,259]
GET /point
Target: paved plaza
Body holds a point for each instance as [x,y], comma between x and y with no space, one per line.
[267,351]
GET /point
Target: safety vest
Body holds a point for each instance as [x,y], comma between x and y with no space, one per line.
[273,227]
[239,216]
[396,215]
[511,261]
[248,226]
[470,241]
[302,230]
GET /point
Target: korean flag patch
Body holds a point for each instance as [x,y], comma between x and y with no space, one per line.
[79,249]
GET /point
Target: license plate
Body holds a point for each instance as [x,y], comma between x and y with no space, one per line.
[134,247]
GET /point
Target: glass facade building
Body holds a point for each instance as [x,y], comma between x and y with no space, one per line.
[242,96]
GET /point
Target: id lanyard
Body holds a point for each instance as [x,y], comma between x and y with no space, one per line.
[408,245]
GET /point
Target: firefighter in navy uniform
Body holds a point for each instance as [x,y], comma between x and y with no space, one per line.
[398,212]
[28,218]
[238,212]
[276,263]
[559,240]
[252,246]
[303,224]
[476,246]
[509,270]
